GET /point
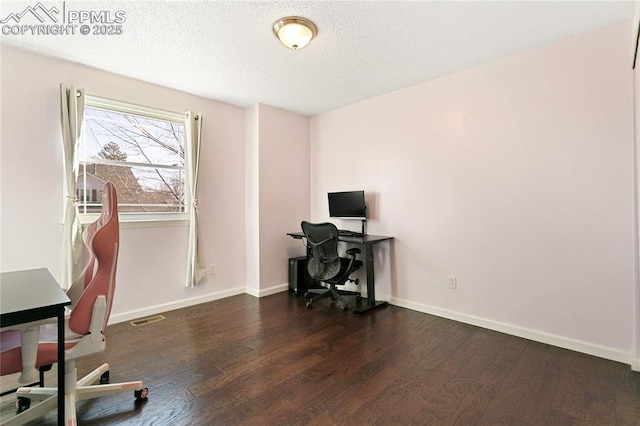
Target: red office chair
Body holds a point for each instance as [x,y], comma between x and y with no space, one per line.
[91,299]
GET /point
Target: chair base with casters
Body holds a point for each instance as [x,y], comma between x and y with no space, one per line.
[334,293]
[75,391]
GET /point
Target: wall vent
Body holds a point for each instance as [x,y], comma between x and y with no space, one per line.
[148,320]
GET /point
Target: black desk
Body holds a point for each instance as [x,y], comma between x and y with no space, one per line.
[368,241]
[34,295]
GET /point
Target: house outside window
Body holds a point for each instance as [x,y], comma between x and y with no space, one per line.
[141,151]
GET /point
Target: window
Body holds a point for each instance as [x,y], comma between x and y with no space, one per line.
[141,151]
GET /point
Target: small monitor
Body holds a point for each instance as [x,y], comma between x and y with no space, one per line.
[347,205]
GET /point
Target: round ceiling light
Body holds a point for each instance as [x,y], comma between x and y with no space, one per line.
[294,32]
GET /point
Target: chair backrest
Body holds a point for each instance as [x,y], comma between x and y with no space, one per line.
[322,238]
[88,261]
[102,239]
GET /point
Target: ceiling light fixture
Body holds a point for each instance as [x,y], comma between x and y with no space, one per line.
[294,32]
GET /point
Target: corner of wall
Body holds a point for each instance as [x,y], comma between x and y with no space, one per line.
[252,206]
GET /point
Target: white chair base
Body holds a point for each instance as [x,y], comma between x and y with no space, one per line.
[75,391]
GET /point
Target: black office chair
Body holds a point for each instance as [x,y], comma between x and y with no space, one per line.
[326,265]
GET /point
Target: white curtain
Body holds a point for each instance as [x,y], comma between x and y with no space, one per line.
[71,112]
[196,265]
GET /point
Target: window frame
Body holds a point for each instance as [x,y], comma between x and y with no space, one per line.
[97,102]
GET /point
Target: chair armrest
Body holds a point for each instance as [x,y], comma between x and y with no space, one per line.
[93,342]
[98,319]
[352,253]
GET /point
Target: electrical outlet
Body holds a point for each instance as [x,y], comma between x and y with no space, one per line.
[453,282]
[212,269]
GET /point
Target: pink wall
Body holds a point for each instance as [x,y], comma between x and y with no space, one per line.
[515,177]
[277,194]
[284,190]
[151,269]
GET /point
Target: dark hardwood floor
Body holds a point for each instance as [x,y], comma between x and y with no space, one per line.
[268,361]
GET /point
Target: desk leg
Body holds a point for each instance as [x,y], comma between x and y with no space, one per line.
[61,390]
[371,287]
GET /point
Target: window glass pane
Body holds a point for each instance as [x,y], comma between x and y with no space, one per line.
[122,134]
[140,189]
[117,136]
[161,187]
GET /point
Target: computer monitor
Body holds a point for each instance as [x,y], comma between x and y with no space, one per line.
[347,205]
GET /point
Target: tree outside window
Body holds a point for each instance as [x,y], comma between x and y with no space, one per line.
[142,156]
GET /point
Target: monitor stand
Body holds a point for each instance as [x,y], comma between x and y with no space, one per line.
[364,227]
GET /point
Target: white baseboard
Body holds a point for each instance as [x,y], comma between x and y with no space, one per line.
[268,291]
[255,292]
[157,309]
[538,336]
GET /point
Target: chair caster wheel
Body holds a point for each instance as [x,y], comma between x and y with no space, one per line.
[22,404]
[141,394]
[104,378]
[345,308]
[309,305]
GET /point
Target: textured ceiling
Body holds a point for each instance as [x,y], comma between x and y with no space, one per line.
[225,50]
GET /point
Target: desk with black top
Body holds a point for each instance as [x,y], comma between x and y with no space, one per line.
[368,241]
[34,295]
